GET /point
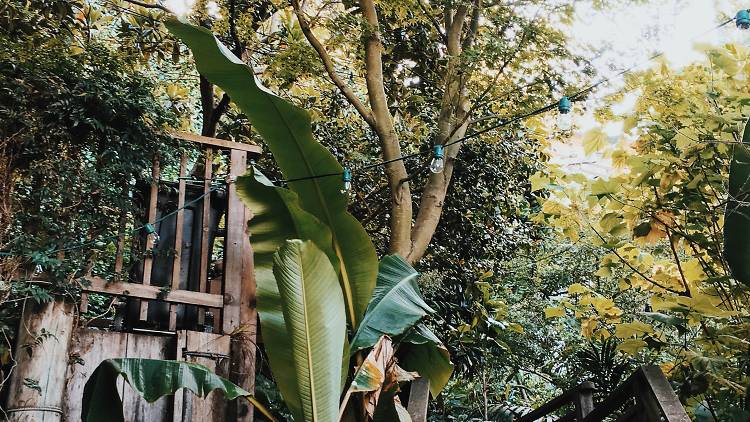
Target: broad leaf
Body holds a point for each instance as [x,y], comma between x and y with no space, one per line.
[422,352]
[396,303]
[312,307]
[737,214]
[152,379]
[287,131]
[277,216]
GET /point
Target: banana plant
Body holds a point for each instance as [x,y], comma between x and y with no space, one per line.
[306,244]
[737,213]
[152,379]
[286,129]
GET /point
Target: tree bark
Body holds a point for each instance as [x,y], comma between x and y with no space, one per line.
[401,202]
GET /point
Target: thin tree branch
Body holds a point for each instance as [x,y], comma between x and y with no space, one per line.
[150,6]
[329,67]
[433,20]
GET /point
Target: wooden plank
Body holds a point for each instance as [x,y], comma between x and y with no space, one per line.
[235,227]
[205,253]
[239,316]
[89,347]
[148,261]
[549,407]
[147,347]
[215,287]
[657,396]
[419,398]
[142,291]
[584,399]
[177,257]
[178,404]
[46,363]
[187,136]
[212,351]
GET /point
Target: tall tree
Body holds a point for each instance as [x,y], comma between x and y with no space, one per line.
[467,57]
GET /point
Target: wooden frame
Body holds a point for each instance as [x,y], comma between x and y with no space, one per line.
[187,136]
[149,292]
[655,401]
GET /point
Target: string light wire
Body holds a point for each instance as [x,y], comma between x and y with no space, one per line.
[115,236]
[573,97]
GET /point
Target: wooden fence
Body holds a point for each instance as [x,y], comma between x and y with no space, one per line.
[644,397]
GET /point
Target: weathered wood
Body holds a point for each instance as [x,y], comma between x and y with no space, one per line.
[549,407]
[655,400]
[205,233]
[419,398]
[88,349]
[141,291]
[657,397]
[584,399]
[240,316]
[147,347]
[36,392]
[222,143]
[179,227]
[148,261]
[212,351]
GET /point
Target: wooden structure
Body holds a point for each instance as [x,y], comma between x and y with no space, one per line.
[644,397]
[172,306]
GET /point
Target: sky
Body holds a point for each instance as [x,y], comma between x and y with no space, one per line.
[628,35]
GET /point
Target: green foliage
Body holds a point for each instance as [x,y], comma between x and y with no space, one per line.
[396,303]
[659,220]
[151,379]
[286,130]
[315,331]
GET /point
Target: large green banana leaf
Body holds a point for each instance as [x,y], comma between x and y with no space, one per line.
[422,352]
[396,303]
[737,214]
[313,310]
[152,379]
[286,129]
[277,216]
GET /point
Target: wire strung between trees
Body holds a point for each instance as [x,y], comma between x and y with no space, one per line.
[573,97]
[116,236]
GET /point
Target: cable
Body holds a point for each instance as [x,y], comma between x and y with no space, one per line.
[132,231]
[573,97]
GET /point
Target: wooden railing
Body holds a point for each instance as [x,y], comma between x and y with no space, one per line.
[644,397]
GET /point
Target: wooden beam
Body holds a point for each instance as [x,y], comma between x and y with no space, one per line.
[45,365]
[148,261]
[240,316]
[148,292]
[177,257]
[419,399]
[584,399]
[186,136]
[205,232]
[657,396]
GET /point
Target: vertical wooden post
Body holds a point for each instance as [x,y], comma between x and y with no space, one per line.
[148,261]
[584,400]
[38,383]
[240,315]
[205,221]
[419,398]
[177,258]
[656,397]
